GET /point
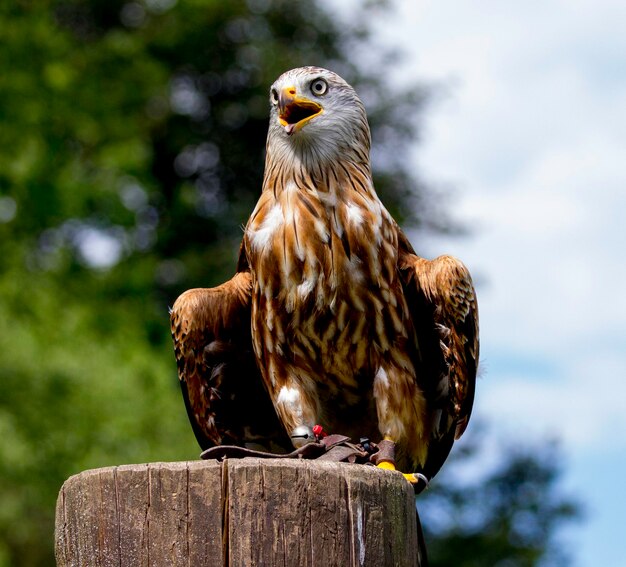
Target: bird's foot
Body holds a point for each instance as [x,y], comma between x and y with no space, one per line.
[385,459]
[418,480]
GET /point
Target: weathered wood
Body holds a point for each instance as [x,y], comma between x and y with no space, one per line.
[245,512]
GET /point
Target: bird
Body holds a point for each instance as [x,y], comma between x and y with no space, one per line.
[332,320]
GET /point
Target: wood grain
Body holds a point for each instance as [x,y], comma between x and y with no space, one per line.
[244,512]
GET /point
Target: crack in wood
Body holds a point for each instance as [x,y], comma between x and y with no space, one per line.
[117,515]
[187,516]
[225,515]
[147,517]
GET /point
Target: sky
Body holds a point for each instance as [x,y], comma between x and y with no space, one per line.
[528,137]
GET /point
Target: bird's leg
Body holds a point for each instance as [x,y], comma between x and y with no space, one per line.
[298,411]
[390,383]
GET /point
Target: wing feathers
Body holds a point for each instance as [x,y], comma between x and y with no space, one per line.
[221,384]
[443,307]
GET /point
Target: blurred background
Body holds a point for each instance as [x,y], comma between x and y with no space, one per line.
[131,154]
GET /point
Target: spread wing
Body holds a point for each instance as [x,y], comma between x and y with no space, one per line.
[444,311]
[221,384]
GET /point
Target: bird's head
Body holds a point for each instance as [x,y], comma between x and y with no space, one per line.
[315,112]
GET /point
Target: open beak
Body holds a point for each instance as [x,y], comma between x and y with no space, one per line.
[295,111]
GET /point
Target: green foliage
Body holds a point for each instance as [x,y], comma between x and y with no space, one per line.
[82,387]
[131,151]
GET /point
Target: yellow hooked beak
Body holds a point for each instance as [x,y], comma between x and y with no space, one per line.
[295,111]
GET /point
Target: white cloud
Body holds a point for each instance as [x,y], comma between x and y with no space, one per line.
[581,407]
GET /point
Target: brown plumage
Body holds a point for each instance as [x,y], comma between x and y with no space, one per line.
[331,314]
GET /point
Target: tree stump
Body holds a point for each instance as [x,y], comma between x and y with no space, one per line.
[244,512]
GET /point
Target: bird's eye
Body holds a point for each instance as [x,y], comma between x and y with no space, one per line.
[274,96]
[319,87]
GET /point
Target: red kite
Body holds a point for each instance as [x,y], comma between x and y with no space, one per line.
[331,316]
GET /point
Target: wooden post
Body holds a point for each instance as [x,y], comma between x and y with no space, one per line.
[242,512]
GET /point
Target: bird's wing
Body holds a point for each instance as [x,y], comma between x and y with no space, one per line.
[222,387]
[444,311]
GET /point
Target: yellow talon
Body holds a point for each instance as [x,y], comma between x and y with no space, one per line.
[389,466]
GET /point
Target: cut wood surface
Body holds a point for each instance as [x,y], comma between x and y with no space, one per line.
[243,512]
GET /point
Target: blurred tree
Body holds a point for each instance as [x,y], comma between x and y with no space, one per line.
[507,517]
[131,152]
